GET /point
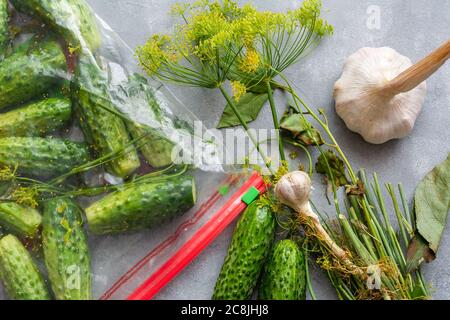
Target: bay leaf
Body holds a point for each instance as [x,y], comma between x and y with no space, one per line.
[431,207]
[249,107]
[432,203]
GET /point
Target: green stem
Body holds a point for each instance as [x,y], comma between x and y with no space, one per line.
[308,277]
[275,120]
[322,124]
[308,154]
[244,124]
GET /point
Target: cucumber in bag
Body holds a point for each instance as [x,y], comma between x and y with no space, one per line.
[20,276]
[73,19]
[104,131]
[284,276]
[251,243]
[4,28]
[142,205]
[66,250]
[36,119]
[20,220]
[156,149]
[29,73]
[44,157]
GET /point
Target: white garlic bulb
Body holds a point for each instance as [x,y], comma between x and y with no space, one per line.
[380,93]
[294,190]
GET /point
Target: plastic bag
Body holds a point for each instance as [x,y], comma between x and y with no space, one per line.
[78,85]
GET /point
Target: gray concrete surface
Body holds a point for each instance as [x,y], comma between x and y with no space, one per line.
[413,28]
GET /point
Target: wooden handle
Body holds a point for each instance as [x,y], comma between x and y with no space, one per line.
[422,70]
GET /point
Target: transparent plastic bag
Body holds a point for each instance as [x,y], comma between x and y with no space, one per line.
[64,51]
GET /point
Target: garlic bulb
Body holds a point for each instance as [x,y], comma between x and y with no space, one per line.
[380,93]
[294,189]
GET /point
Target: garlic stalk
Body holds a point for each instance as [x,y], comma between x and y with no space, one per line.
[380,93]
[294,190]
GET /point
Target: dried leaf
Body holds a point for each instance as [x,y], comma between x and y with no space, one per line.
[297,128]
[431,207]
[432,203]
[357,189]
[333,168]
[418,251]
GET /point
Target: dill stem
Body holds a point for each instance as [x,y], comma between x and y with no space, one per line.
[321,123]
[308,276]
[275,120]
[247,129]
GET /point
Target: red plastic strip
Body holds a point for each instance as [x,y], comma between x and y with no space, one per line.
[193,247]
[166,243]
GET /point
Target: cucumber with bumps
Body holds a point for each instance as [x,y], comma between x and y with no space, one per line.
[284,276]
[155,148]
[250,245]
[36,119]
[42,156]
[24,75]
[66,250]
[105,131]
[141,205]
[20,220]
[20,276]
[73,19]
[4,33]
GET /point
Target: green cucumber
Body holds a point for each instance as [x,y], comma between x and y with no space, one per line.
[250,245]
[141,205]
[42,156]
[66,250]
[21,277]
[73,19]
[155,148]
[104,131]
[4,28]
[20,220]
[284,275]
[24,75]
[36,119]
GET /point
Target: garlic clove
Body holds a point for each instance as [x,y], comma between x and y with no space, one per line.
[294,189]
[364,103]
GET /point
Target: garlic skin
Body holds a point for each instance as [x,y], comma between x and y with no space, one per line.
[365,101]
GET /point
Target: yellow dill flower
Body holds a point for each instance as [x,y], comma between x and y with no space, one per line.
[308,15]
[238,89]
[73,50]
[205,25]
[250,62]
[26,196]
[158,51]
[282,170]
[179,9]
[211,32]
[6,173]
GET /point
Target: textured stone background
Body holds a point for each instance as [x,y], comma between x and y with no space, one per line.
[413,28]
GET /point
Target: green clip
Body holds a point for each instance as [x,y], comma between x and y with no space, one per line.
[250,195]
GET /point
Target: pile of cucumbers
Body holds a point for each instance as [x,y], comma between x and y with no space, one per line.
[40,97]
